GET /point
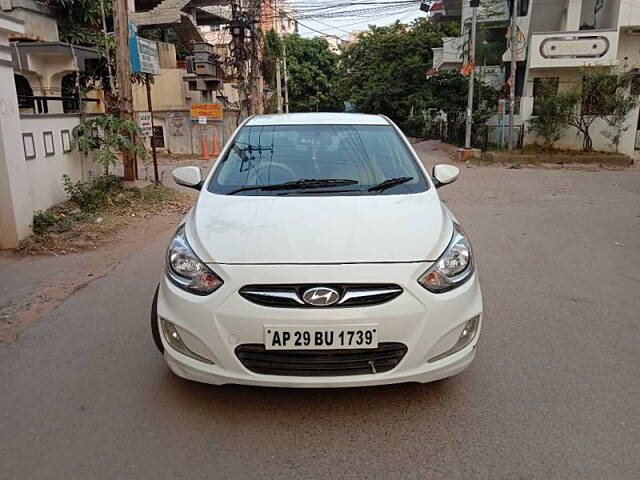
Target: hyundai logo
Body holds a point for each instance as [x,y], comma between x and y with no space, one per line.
[321,296]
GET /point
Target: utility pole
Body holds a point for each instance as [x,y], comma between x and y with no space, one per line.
[278,85]
[512,87]
[106,36]
[286,76]
[276,20]
[472,61]
[123,74]
[152,139]
[239,55]
[245,48]
[255,76]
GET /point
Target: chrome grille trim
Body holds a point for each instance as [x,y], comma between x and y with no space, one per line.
[291,296]
[372,293]
[276,294]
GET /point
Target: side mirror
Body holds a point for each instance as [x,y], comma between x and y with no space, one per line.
[444,174]
[188,177]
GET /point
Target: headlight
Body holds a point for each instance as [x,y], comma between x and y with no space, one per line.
[453,268]
[186,270]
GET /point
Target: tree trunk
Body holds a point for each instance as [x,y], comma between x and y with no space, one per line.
[587,143]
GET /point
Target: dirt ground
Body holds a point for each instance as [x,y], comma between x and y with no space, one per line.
[35,285]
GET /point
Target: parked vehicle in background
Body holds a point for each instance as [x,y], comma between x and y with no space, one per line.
[318,254]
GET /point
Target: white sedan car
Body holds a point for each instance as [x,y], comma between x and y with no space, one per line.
[318,254]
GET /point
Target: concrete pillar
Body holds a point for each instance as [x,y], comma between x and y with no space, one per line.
[573,13]
[15,202]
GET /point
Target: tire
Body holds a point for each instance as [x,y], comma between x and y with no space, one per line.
[155,329]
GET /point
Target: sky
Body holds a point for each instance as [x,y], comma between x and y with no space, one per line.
[342,26]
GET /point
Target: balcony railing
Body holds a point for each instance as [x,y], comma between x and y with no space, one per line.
[40,103]
[574,49]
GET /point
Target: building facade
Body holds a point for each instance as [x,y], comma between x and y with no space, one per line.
[558,39]
[40,108]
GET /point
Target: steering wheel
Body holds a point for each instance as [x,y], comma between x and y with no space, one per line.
[277,166]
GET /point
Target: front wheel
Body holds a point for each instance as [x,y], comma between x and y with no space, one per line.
[155,330]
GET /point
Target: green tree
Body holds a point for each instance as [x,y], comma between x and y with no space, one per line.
[312,71]
[447,92]
[384,72]
[617,126]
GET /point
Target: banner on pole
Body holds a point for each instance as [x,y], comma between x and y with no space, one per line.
[143,53]
[144,122]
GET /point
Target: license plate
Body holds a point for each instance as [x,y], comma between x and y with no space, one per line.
[288,337]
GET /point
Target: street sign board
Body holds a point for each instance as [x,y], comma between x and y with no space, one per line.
[144,122]
[212,111]
[202,120]
[149,61]
[143,53]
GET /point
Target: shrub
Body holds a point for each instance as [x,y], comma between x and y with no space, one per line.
[553,112]
[617,126]
[42,221]
[92,195]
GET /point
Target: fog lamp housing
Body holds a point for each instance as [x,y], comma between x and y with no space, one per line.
[172,337]
[466,336]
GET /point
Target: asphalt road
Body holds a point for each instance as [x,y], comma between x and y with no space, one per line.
[554,392]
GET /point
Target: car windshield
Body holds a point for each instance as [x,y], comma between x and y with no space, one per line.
[317,160]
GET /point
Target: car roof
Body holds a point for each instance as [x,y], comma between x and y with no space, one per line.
[317,119]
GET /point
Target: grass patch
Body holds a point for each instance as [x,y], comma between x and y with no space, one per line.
[96,209]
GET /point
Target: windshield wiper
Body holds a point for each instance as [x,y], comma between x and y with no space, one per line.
[301,184]
[390,182]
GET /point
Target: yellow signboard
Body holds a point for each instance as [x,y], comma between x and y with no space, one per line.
[209,110]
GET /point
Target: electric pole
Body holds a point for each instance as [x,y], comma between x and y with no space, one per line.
[512,87]
[472,62]
[123,74]
[252,23]
[278,86]
[286,76]
[147,78]
[106,37]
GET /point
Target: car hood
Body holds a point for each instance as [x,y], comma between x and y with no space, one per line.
[318,229]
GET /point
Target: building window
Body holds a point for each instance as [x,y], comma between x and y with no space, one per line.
[158,137]
[635,82]
[25,93]
[29,146]
[49,146]
[65,139]
[543,86]
[69,95]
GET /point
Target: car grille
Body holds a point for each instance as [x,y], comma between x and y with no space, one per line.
[321,363]
[290,296]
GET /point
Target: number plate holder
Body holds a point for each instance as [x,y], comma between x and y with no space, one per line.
[292,337]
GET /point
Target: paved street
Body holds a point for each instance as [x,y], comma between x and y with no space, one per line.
[554,392]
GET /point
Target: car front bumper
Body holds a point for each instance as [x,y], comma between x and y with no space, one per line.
[213,326]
